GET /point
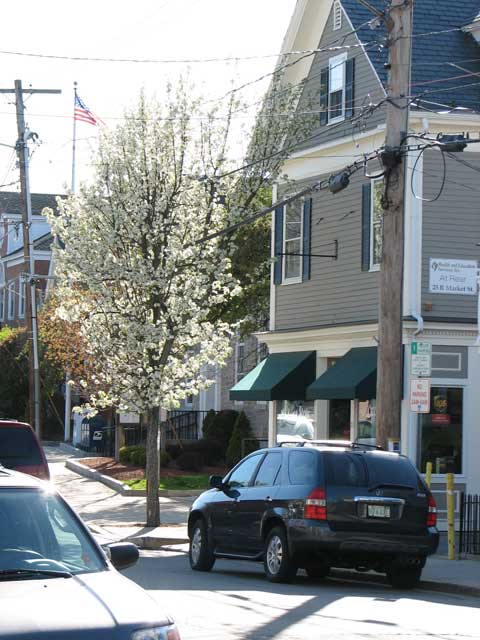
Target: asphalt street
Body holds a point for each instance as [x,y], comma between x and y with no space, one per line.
[235,601]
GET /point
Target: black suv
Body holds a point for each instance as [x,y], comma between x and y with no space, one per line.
[317,505]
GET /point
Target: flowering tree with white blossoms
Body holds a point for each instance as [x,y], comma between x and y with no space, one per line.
[132,267]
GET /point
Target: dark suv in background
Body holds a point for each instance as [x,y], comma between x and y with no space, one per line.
[316,505]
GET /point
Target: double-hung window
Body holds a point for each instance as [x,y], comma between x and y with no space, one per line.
[11,301]
[337,89]
[240,359]
[21,298]
[372,225]
[292,240]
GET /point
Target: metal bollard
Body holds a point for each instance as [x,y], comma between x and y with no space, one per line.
[451,515]
[428,474]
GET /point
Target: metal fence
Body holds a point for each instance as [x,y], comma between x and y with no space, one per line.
[184,425]
[469,535]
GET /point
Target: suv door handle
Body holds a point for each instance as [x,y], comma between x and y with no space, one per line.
[268,499]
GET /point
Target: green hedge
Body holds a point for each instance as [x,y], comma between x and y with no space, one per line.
[137,455]
[241,432]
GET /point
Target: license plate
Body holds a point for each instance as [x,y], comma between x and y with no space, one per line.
[378,511]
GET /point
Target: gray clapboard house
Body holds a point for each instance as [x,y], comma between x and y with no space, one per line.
[323,325]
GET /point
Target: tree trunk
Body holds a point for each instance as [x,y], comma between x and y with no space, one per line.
[153,468]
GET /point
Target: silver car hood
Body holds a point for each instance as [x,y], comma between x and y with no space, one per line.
[95,605]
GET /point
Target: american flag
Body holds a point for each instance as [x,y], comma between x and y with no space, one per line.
[83,113]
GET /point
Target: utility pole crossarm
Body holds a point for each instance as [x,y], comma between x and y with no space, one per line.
[32,91]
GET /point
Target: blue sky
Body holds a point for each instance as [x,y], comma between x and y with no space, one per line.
[154,29]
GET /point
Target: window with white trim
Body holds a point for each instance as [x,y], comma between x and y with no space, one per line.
[376,224]
[11,301]
[2,305]
[336,88]
[293,241]
[337,15]
[21,298]
[240,359]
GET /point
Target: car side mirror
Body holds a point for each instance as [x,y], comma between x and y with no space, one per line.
[216,482]
[122,554]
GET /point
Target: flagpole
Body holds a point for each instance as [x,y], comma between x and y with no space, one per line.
[68,389]
[74,135]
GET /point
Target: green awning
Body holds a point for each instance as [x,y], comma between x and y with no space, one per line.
[281,376]
[353,377]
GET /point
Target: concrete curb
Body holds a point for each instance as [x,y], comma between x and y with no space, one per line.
[124,490]
[426,585]
[153,543]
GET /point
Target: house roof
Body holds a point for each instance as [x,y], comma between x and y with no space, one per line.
[434,54]
[43,243]
[11,202]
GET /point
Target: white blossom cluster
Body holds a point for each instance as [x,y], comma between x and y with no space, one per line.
[129,264]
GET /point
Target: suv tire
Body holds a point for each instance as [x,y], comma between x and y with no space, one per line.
[277,561]
[200,553]
[404,577]
[317,573]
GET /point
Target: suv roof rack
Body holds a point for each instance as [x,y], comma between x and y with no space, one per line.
[331,443]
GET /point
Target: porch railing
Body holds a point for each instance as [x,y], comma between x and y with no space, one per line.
[469,535]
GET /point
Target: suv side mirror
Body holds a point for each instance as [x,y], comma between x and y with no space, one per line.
[216,482]
[122,554]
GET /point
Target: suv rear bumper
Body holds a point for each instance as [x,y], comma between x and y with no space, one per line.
[312,537]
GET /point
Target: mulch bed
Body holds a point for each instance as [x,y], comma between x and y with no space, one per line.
[120,471]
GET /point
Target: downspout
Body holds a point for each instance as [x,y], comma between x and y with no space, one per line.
[477,342]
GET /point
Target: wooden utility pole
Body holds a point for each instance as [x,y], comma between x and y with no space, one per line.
[390,318]
[30,300]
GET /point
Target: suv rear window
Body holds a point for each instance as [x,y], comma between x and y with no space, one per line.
[392,469]
[18,447]
[302,467]
[345,469]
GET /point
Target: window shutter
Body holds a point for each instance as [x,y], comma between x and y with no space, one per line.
[324,83]
[349,87]
[307,235]
[278,246]
[366,223]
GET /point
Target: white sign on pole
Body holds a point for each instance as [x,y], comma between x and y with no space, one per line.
[457,277]
[421,360]
[420,395]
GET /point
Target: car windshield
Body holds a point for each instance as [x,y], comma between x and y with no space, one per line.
[18,447]
[39,533]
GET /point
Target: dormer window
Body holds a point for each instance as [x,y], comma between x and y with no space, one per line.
[337,15]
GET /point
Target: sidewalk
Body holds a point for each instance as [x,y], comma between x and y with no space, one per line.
[113,517]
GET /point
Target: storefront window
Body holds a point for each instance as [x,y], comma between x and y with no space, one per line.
[295,420]
[441,431]
[366,432]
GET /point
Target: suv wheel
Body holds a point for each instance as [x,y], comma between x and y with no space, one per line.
[277,562]
[317,573]
[404,577]
[200,553]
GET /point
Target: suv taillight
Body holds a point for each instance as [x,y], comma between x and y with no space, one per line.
[316,505]
[432,512]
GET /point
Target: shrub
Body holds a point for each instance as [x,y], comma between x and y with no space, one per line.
[241,431]
[164,459]
[138,456]
[211,451]
[124,455]
[190,461]
[174,450]
[219,427]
